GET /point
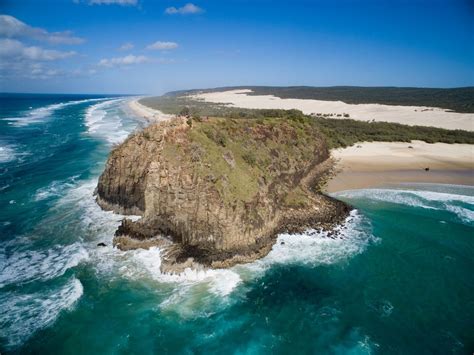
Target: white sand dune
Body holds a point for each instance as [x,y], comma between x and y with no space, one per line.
[371,164]
[414,155]
[410,115]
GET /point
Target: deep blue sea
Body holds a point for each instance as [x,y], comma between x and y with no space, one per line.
[400,280]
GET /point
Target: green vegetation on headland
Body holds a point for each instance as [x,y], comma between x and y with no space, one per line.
[248,152]
[340,132]
[221,188]
[455,99]
[222,182]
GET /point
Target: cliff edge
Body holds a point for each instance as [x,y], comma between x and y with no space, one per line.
[216,192]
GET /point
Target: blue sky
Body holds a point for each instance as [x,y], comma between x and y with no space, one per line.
[150,47]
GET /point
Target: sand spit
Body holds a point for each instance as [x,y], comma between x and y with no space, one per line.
[147,112]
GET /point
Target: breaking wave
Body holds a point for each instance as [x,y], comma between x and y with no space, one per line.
[10,152]
[54,189]
[104,121]
[34,265]
[195,291]
[462,206]
[23,314]
[38,115]
[7,153]
[314,248]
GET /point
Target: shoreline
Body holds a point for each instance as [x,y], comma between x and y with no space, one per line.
[377,164]
[223,233]
[148,113]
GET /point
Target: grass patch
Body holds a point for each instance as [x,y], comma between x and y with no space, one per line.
[262,150]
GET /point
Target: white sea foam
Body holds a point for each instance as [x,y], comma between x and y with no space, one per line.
[443,197]
[219,281]
[419,198]
[191,293]
[405,196]
[106,123]
[39,114]
[33,265]
[23,314]
[318,247]
[196,288]
[7,153]
[11,152]
[99,226]
[26,265]
[96,225]
[95,220]
[54,189]
[191,289]
[464,214]
[197,291]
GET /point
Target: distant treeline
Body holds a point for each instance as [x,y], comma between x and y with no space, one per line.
[347,132]
[455,99]
[339,132]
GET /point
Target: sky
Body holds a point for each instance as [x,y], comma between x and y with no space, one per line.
[155,46]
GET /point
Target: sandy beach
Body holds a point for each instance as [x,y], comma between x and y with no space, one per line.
[374,164]
[410,115]
[147,112]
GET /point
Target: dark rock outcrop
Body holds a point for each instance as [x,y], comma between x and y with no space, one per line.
[217,192]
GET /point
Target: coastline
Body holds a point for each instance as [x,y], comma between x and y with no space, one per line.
[374,164]
[148,113]
[223,233]
[408,115]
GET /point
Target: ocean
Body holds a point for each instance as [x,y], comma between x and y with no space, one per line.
[399,280]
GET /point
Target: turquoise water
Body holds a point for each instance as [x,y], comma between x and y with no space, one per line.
[399,281]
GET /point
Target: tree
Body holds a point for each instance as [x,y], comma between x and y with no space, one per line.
[185,111]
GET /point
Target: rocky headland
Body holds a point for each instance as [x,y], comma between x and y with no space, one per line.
[216,192]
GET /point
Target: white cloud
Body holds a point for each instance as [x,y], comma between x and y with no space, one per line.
[11,27]
[18,60]
[13,50]
[188,9]
[114,2]
[38,71]
[27,69]
[123,61]
[126,46]
[83,72]
[162,46]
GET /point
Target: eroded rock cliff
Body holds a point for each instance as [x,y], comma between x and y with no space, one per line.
[216,192]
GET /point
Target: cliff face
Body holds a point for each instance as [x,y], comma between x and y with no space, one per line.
[216,192]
